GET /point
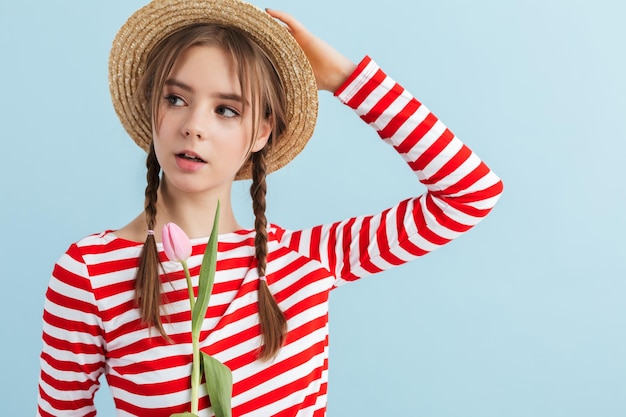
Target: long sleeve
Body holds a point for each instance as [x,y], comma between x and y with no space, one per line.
[461,189]
[72,357]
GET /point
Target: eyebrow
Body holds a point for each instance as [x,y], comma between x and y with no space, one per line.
[224,96]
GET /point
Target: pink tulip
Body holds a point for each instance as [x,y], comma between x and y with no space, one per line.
[176,244]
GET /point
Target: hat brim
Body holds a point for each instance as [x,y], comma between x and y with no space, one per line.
[160,18]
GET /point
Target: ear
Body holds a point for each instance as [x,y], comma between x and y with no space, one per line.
[263,135]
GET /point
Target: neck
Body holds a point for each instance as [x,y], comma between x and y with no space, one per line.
[194,212]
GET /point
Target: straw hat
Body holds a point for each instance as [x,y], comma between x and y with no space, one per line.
[155,21]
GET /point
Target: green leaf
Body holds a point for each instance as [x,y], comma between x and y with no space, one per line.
[187,414]
[206,278]
[219,385]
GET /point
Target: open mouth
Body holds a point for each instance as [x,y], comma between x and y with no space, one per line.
[190,157]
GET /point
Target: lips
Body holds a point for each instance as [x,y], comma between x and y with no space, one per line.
[190,161]
[190,156]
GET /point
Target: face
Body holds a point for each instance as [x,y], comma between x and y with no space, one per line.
[202,135]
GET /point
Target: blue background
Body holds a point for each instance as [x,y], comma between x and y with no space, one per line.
[523,316]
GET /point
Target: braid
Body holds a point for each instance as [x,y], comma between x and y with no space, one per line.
[147,282]
[152,176]
[271,318]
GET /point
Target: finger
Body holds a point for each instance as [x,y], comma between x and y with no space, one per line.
[292,23]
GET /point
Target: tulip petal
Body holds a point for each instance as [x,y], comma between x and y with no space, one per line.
[168,246]
[176,243]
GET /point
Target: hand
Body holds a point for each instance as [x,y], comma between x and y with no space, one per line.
[330,67]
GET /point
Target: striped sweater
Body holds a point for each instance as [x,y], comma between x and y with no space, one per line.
[92,327]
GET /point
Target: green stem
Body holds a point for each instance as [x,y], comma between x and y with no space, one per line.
[195,372]
[192,297]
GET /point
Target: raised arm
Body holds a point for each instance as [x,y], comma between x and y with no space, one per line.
[461,189]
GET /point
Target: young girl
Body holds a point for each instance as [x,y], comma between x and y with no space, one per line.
[217,91]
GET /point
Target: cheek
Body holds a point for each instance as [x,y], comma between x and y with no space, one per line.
[233,150]
[162,131]
[161,124]
[237,139]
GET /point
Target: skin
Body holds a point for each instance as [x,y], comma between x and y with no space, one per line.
[196,120]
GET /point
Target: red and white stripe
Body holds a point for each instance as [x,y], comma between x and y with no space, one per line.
[91,326]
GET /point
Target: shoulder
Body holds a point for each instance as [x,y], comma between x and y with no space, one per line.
[276,232]
[96,260]
[104,241]
[100,247]
[281,236]
[283,240]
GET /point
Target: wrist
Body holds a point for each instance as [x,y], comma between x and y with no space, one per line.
[343,71]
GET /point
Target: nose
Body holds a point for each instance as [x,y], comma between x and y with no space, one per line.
[195,126]
[190,131]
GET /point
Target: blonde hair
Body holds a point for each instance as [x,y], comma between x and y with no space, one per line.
[257,78]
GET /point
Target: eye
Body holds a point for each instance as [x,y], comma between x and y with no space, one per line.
[227,111]
[174,100]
